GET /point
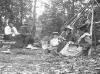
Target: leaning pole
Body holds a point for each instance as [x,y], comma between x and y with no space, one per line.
[92,28]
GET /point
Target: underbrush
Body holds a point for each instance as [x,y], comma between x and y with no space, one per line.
[37,62]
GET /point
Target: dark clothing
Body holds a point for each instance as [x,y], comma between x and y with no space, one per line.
[22,40]
[24,30]
[86,46]
[69,37]
[8,37]
[61,45]
[27,40]
[17,39]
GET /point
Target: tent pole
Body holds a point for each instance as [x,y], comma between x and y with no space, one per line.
[92,26]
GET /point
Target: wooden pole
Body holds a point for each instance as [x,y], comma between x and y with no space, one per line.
[91,28]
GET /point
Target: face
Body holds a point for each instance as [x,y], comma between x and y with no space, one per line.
[55,36]
[7,20]
[10,24]
[87,37]
[81,32]
[67,31]
[88,22]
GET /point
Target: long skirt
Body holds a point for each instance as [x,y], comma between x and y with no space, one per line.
[71,50]
[61,46]
[18,39]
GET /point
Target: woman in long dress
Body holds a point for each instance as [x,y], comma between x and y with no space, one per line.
[72,49]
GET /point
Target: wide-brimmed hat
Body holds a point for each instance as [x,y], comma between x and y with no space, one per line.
[55,33]
[68,28]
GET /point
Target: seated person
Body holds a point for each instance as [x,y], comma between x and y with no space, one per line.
[54,42]
[66,37]
[85,42]
[25,34]
[12,34]
[78,48]
[71,48]
[75,48]
[45,42]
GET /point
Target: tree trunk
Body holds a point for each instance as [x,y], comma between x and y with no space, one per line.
[21,11]
[34,17]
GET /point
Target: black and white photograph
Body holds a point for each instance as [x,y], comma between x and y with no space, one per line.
[49,36]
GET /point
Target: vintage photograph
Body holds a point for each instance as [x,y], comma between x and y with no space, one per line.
[49,36]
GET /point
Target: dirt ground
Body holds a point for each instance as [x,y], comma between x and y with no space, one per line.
[38,62]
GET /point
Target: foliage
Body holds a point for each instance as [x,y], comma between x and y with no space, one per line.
[57,13]
[16,10]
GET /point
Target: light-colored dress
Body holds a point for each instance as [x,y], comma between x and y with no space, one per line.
[70,49]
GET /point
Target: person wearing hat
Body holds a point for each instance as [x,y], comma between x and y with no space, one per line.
[75,49]
[71,48]
[28,40]
[54,42]
[85,41]
[66,36]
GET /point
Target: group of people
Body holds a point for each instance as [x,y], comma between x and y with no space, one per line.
[70,43]
[22,38]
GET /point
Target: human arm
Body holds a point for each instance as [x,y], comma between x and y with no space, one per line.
[83,36]
[15,31]
[97,22]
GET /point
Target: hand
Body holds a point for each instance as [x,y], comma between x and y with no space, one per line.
[98,40]
[19,33]
[76,42]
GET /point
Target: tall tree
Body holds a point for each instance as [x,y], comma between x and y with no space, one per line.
[58,12]
[16,10]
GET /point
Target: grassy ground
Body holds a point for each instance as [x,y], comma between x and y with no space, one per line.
[37,62]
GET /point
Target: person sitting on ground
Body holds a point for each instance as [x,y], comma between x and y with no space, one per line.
[54,42]
[45,43]
[74,48]
[85,42]
[12,34]
[65,37]
[71,48]
[21,39]
[25,34]
[81,46]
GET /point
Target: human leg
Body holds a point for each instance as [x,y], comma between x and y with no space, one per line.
[26,40]
[31,40]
